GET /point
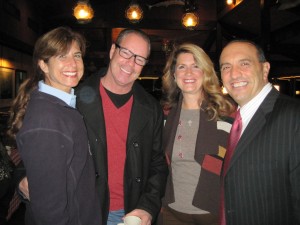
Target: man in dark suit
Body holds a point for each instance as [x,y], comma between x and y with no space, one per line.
[262,181]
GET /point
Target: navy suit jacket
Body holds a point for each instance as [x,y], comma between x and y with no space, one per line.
[262,183]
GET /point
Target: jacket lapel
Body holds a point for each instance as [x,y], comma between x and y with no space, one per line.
[140,113]
[90,101]
[254,127]
[170,129]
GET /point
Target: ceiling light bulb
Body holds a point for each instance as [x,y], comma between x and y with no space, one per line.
[134,14]
[83,14]
[229,2]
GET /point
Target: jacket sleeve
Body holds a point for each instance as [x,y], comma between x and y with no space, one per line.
[150,200]
[44,153]
[295,173]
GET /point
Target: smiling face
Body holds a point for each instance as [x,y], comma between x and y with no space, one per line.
[188,75]
[64,71]
[242,74]
[123,72]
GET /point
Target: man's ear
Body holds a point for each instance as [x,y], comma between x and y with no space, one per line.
[43,66]
[112,50]
[266,70]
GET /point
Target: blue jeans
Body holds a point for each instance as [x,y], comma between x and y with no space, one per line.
[115,217]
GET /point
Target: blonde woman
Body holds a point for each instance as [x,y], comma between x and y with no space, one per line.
[195,137]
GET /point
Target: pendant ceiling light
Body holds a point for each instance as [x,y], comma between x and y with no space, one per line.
[83,12]
[134,12]
[190,19]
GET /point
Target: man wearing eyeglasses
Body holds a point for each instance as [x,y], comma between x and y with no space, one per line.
[124,124]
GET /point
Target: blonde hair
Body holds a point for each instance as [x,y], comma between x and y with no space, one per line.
[217,104]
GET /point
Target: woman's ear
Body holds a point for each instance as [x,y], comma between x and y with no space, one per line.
[43,66]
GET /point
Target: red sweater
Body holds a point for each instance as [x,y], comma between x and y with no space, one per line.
[116,124]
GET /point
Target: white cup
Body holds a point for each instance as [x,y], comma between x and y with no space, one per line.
[131,220]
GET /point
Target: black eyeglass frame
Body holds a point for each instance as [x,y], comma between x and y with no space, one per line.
[131,55]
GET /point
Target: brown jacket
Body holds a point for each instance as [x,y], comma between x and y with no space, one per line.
[209,153]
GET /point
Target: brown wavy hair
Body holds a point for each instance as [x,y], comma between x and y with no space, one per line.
[217,104]
[55,42]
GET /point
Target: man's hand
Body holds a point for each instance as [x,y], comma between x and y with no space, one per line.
[145,216]
[23,188]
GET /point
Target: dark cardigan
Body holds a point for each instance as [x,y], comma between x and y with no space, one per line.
[209,153]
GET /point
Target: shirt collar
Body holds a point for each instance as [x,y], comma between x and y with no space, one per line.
[249,109]
[68,98]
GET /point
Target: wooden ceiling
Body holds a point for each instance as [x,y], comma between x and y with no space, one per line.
[272,23]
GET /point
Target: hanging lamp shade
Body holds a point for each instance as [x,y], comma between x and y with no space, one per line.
[190,20]
[134,13]
[83,12]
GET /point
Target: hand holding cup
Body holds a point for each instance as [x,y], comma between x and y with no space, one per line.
[131,220]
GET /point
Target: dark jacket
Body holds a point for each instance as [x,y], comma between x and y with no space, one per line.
[209,153]
[54,148]
[262,183]
[145,166]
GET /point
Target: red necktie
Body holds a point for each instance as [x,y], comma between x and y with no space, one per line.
[234,137]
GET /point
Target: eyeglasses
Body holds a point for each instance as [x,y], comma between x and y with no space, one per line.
[127,54]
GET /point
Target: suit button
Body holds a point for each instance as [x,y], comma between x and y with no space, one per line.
[97,175]
[138,179]
[135,144]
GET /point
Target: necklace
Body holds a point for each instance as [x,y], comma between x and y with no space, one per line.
[187,130]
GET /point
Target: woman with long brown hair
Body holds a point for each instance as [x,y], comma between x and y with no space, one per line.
[51,136]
